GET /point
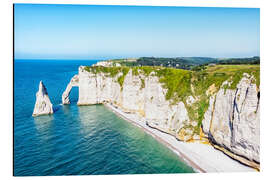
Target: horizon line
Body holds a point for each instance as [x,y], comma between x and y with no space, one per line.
[133,58]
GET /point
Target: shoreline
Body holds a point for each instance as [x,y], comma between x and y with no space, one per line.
[194,154]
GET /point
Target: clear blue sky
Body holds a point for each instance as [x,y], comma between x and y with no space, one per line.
[98,32]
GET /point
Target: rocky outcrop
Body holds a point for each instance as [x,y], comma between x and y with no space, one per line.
[148,102]
[73,82]
[231,122]
[43,104]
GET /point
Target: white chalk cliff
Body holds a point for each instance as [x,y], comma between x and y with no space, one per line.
[73,82]
[231,123]
[43,104]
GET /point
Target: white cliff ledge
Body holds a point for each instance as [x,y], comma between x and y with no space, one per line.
[43,104]
[213,107]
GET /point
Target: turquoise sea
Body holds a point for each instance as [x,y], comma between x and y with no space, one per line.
[78,140]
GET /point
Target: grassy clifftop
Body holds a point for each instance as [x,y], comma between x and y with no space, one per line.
[179,81]
[184,83]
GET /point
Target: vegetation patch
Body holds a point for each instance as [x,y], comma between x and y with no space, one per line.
[121,78]
[142,83]
[177,82]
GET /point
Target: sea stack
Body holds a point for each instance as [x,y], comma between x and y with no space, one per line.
[43,104]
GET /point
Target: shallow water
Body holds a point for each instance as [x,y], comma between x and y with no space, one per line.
[78,140]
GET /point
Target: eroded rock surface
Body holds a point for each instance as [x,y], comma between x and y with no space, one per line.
[231,122]
[73,82]
[43,104]
[147,100]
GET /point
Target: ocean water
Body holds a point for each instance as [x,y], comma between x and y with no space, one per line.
[78,140]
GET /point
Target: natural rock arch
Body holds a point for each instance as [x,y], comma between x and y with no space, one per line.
[73,82]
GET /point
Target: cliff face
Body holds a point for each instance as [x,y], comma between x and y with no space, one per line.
[230,123]
[232,120]
[145,98]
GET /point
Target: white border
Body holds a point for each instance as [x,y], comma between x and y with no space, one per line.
[205,3]
[7,82]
